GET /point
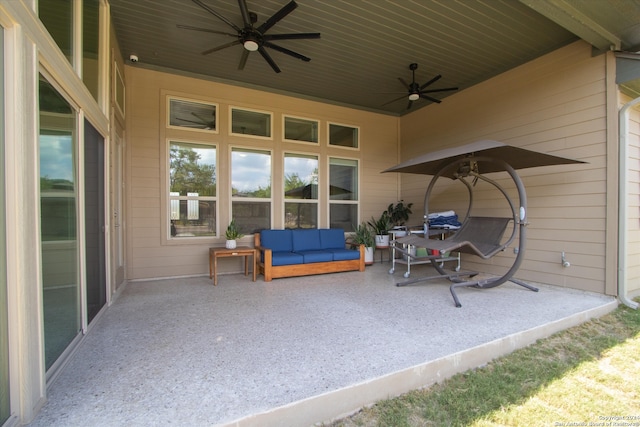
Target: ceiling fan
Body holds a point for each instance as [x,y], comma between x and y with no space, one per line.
[416,91]
[201,122]
[254,38]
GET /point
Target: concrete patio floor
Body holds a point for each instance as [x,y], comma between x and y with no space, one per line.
[292,352]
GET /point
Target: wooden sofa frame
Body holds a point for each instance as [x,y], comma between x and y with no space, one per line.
[275,272]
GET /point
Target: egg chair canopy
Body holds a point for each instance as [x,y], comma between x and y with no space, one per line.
[517,158]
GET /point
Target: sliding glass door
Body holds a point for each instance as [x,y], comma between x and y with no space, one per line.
[96,296]
[59,218]
[5,404]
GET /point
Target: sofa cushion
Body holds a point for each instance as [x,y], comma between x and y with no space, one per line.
[316,256]
[305,240]
[286,258]
[345,254]
[332,238]
[276,240]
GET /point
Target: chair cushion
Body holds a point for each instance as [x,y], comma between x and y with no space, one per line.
[332,238]
[286,258]
[316,256]
[305,240]
[276,240]
[345,254]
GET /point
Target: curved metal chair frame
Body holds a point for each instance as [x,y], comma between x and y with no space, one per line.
[481,236]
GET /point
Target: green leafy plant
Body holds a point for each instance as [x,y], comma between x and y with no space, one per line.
[233,231]
[382,225]
[399,213]
[363,235]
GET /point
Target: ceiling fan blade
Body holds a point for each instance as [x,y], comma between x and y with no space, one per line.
[404,83]
[243,59]
[296,36]
[224,46]
[433,80]
[409,105]
[437,101]
[394,100]
[206,30]
[245,13]
[268,58]
[190,121]
[202,119]
[286,51]
[217,15]
[438,90]
[286,9]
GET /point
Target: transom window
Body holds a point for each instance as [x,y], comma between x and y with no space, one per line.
[297,129]
[343,136]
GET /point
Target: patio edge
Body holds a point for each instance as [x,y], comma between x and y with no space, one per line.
[343,402]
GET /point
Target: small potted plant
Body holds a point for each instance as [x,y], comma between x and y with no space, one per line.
[364,236]
[381,227]
[232,234]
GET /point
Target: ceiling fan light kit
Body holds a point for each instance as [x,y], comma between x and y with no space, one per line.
[254,38]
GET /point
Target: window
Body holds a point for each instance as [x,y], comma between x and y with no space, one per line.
[244,122]
[192,115]
[343,193]
[118,88]
[91,46]
[296,129]
[251,189]
[192,190]
[57,17]
[343,136]
[300,191]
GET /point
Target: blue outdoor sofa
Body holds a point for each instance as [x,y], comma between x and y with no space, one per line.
[302,252]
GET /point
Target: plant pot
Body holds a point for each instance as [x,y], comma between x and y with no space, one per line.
[382,241]
[231,244]
[368,255]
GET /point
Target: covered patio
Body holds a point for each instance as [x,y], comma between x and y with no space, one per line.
[292,352]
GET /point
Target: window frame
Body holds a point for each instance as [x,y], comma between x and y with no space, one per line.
[356,201]
[233,198]
[194,102]
[269,114]
[300,141]
[315,201]
[168,237]
[356,128]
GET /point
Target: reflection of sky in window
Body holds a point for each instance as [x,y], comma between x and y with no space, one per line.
[304,167]
[250,170]
[56,157]
[207,156]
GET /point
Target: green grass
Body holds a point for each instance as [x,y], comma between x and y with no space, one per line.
[581,375]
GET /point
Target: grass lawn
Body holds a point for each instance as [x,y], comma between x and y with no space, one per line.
[588,375]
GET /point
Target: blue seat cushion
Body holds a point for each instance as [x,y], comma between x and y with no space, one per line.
[332,238]
[286,258]
[316,256]
[345,254]
[276,240]
[305,240]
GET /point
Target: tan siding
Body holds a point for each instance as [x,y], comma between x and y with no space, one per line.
[150,255]
[633,189]
[555,104]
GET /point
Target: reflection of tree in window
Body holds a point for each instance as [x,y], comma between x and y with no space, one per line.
[192,181]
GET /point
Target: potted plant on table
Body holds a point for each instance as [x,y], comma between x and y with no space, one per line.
[232,234]
[381,227]
[364,236]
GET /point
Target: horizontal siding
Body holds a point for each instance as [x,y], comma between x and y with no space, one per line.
[633,194]
[555,104]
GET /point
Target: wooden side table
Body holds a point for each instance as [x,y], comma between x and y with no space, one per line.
[245,251]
